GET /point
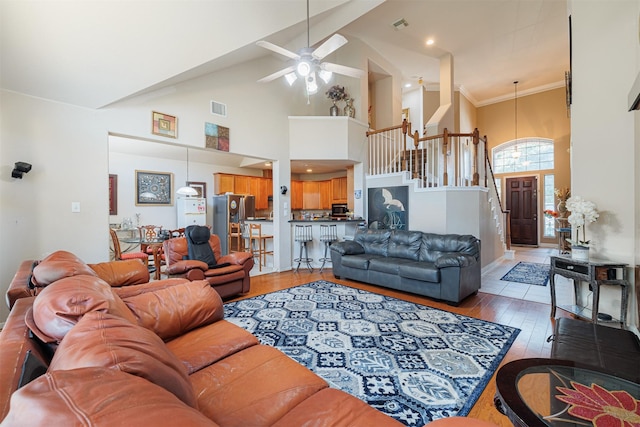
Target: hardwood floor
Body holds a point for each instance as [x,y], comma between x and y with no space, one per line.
[532,318]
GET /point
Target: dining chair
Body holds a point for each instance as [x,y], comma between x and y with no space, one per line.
[258,244]
[119,255]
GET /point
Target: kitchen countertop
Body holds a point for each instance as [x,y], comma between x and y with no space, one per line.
[326,220]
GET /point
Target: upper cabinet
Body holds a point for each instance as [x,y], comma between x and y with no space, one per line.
[296,195]
[339,190]
[257,186]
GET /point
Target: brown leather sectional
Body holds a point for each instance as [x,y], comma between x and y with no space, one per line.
[151,354]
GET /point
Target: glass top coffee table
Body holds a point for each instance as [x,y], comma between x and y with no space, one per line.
[548,392]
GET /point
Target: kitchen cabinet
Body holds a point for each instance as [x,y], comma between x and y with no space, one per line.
[262,188]
[339,190]
[242,184]
[310,195]
[223,183]
[326,194]
[296,195]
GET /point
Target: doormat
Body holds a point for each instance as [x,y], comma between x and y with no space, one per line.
[531,273]
[413,362]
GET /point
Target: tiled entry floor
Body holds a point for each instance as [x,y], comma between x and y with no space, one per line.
[492,284]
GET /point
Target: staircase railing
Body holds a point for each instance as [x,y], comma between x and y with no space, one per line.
[446,160]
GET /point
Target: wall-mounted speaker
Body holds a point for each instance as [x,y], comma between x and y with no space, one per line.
[20,169]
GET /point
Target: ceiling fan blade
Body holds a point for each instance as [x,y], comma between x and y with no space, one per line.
[332,44]
[277,49]
[343,69]
[277,74]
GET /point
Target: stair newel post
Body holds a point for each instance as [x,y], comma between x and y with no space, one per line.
[445,152]
[416,142]
[476,140]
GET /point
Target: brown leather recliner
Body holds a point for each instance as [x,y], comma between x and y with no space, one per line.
[228,280]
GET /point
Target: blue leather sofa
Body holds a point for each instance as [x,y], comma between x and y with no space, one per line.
[441,266]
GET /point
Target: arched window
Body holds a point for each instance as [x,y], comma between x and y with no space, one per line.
[523,154]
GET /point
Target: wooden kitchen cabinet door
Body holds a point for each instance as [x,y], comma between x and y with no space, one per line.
[326,194]
[310,195]
[223,183]
[296,195]
[339,188]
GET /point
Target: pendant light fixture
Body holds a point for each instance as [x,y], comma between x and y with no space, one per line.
[516,153]
[186,190]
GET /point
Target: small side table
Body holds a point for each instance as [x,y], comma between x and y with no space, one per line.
[595,272]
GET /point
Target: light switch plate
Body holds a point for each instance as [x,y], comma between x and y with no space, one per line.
[75,207]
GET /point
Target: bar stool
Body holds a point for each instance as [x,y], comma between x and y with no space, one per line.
[259,250]
[303,235]
[235,234]
[328,235]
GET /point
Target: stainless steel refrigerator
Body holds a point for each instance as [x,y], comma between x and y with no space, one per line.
[230,208]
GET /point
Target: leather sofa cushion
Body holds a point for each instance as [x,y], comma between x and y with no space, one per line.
[387,264]
[424,271]
[61,305]
[202,347]
[122,273]
[435,245]
[344,411]
[98,397]
[374,241]
[108,341]
[131,291]
[174,310]
[405,244]
[58,265]
[358,261]
[254,387]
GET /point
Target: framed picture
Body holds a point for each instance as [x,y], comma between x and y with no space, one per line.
[164,125]
[216,137]
[113,194]
[200,187]
[405,114]
[154,188]
[388,208]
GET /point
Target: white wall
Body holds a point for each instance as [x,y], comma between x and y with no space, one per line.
[602,128]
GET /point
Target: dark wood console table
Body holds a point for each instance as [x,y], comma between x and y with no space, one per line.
[595,272]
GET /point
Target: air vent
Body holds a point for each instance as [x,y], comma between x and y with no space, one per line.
[219,109]
[400,24]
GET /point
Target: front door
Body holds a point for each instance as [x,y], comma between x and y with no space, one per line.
[522,201]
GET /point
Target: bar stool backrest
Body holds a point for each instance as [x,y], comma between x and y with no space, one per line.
[303,233]
[328,233]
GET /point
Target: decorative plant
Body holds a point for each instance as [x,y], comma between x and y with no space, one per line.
[337,93]
[583,212]
[562,193]
[550,213]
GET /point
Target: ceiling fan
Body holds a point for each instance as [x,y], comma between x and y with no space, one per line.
[308,63]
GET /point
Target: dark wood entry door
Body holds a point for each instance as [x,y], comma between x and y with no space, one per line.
[522,201]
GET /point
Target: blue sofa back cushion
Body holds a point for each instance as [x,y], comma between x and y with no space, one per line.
[405,244]
[373,241]
[435,245]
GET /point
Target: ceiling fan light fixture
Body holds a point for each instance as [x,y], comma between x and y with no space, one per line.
[312,84]
[325,75]
[291,78]
[303,68]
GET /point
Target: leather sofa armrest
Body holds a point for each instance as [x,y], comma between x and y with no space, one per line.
[454,260]
[347,248]
[185,266]
[238,258]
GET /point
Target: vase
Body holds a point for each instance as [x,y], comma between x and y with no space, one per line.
[334,110]
[349,110]
[562,209]
[580,253]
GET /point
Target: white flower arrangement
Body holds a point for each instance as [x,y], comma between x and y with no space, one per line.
[583,212]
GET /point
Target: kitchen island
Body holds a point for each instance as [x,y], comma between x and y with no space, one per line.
[346,229]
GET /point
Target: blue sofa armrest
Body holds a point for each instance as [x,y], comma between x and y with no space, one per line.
[348,247]
[455,260]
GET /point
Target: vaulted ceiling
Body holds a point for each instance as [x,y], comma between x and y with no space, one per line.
[94,53]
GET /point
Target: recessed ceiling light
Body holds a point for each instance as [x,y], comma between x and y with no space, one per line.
[430,42]
[407,85]
[309,170]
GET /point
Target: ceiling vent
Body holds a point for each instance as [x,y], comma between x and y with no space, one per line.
[218,108]
[400,24]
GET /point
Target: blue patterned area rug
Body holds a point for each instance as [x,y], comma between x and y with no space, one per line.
[531,273]
[412,362]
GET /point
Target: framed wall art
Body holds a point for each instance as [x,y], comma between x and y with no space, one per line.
[389,208]
[216,137]
[113,194]
[200,187]
[164,125]
[154,188]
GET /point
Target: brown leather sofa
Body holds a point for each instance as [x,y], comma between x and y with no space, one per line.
[228,280]
[153,356]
